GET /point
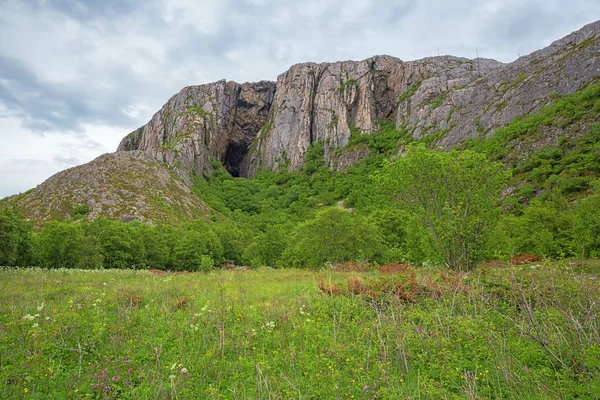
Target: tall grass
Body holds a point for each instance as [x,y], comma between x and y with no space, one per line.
[500,332]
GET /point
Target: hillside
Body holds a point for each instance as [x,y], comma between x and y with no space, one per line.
[126,186]
[368,229]
[334,115]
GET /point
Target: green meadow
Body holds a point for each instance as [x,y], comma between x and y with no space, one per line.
[500,331]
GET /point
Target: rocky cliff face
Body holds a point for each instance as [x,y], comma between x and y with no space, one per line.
[217,120]
[261,125]
[327,102]
[452,98]
[516,89]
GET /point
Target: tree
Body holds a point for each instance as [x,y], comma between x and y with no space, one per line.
[267,247]
[156,244]
[191,252]
[314,158]
[121,245]
[196,247]
[232,240]
[546,228]
[15,237]
[66,245]
[334,235]
[453,194]
[587,225]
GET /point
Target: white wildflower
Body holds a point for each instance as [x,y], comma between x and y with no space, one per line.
[269,325]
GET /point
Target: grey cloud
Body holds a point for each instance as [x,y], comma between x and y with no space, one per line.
[27,163]
[318,30]
[57,106]
[44,106]
[90,9]
[66,161]
[195,46]
[21,174]
[529,26]
[88,143]
[520,24]
[398,10]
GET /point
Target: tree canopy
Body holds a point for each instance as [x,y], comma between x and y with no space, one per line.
[454,194]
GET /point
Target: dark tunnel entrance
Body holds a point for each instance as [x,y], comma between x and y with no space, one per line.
[234,155]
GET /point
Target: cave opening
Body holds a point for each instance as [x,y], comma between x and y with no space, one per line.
[234,155]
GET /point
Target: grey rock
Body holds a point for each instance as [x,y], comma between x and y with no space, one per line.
[349,158]
[522,87]
[217,120]
[263,125]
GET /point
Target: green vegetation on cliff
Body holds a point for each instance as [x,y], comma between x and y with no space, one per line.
[555,149]
[315,216]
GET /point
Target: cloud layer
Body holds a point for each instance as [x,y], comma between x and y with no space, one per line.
[76,76]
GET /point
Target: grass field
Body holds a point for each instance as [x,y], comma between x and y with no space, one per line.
[506,332]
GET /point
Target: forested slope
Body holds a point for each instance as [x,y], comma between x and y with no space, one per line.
[318,215]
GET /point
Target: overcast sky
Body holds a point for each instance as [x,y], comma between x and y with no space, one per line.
[77,76]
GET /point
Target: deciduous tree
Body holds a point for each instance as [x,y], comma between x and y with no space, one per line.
[454,194]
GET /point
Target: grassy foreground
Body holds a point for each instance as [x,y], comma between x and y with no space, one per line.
[510,332]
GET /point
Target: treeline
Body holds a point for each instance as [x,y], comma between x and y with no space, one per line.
[197,246]
[294,220]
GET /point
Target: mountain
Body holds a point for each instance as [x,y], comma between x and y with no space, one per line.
[259,126]
[255,126]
